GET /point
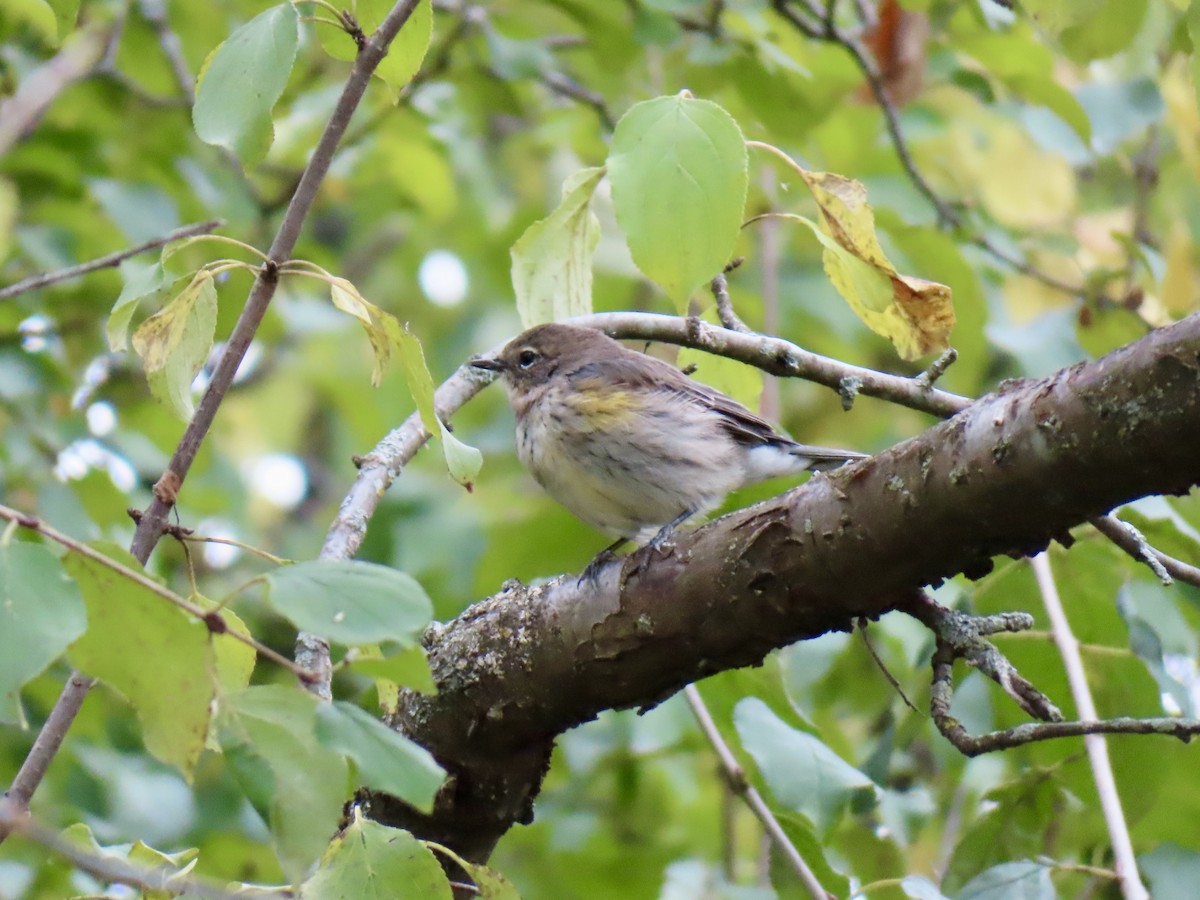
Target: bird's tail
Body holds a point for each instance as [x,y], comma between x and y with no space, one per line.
[784,457]
[822,459]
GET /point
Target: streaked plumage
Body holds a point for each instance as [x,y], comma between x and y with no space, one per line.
[627,442]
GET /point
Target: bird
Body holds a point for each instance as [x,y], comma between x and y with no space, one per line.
[627,442]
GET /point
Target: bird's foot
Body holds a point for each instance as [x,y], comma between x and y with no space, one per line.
[591,574]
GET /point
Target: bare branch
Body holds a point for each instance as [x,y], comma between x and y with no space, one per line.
[961,636]
[1133,542]
[155,14]
[107,262]
[730,319]
[569,87]
[45,746]
[111,868]
[937,368]
[735,777]
[1097,747]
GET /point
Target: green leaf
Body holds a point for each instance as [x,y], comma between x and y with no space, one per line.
[803,774]
[38,16]
[41,613]
[65,14]
[299,786]
[349,601]
[141,281]
[407,51]
[386,759]
[1108,29]
[158,657]
[409,668]
[139,853]
[552,259]
[243,79]
[1024,880]
[374,862]
[175,342]
[490,883]
[233,660]
[1026,67]
[1149,642]
[463,462]
[379,325]
[1173,872]
[10,202]
[679,172]
[404,55]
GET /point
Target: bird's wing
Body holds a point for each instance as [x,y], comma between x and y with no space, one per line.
[641,372]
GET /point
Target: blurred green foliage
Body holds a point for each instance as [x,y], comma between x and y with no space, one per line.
[1064,136]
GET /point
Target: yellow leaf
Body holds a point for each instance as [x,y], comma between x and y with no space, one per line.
[347,298]
[1179,285]
[175,342]
[916,315]
[1022,186]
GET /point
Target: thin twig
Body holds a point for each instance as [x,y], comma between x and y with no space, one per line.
[45,745]
[879,664]
[155,14]
[735,776]
[937,368]
[1097,747]
[1133,542]
[821,27]
[212,618]
[569,87]
[963,636]
[730,319]
[106,262]
[110,868]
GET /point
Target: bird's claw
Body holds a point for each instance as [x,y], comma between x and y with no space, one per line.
[591,574]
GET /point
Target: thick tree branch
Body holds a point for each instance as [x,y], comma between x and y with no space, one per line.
[1006,476]
[379,468]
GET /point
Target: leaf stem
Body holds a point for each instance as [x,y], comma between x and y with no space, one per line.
[147,583]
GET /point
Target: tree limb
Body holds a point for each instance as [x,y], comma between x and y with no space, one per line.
[1016,469]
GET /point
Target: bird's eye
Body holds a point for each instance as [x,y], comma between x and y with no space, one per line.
[527,358]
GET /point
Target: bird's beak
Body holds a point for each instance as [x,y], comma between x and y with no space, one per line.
[487,363]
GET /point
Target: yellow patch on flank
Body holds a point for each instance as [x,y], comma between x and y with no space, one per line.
[601,406]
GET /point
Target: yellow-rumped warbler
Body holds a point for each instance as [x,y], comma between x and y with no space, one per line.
[627,442]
